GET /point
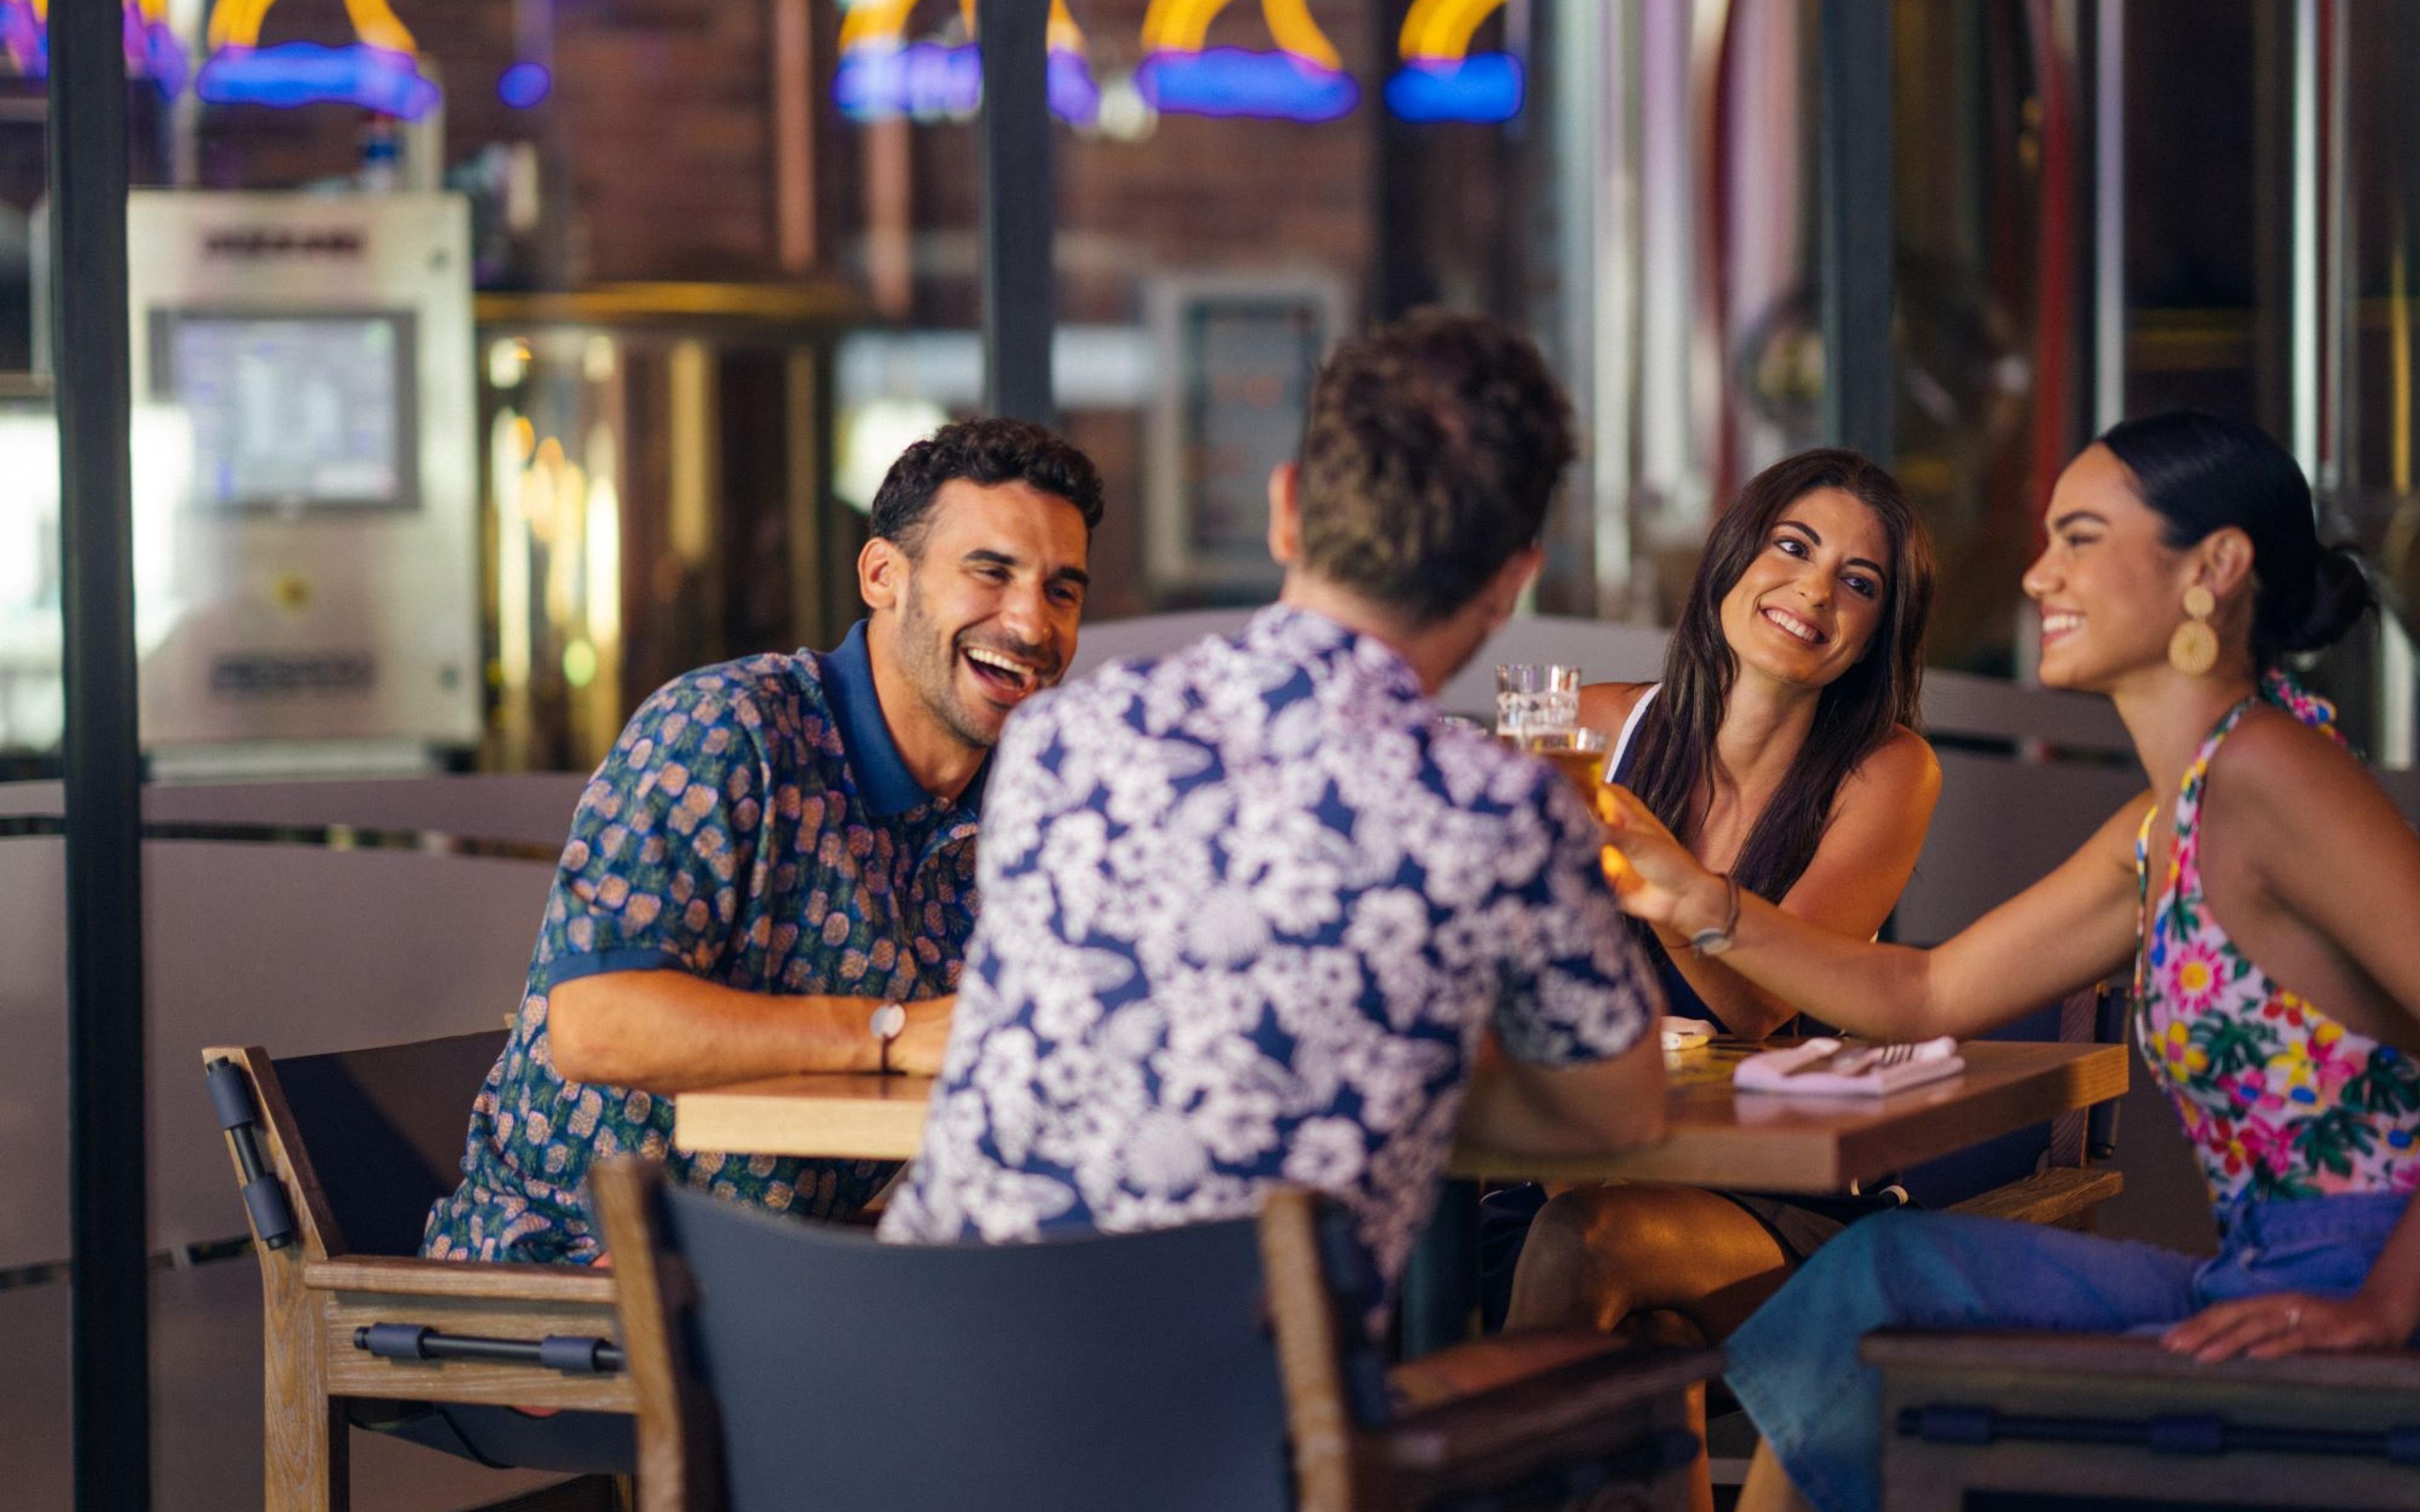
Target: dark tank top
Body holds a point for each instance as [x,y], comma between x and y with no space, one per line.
[1681,1000]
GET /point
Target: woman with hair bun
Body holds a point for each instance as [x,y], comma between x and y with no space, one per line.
[2264,891]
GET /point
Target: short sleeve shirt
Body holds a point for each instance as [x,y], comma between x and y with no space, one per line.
[1246,912]
[754,827]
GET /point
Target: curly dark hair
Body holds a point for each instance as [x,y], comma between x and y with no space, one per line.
[988,452]
[1432,449]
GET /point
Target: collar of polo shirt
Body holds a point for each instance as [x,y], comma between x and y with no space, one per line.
[884,784]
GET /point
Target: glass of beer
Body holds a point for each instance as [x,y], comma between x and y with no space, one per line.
[1578,754]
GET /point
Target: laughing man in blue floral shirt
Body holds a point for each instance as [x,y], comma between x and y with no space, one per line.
[776,847]
[1250,911]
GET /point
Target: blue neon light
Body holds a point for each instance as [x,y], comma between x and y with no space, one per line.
[921,80]
[29,42]
[929,80]
[1229,81]
[1484,88]
[1073,97]
[151,46]
[152,49]
[307,73]
[525,84]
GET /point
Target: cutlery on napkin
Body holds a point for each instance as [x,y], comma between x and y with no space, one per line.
[1828,1068]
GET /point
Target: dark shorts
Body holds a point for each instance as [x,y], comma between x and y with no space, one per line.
[1799,1227]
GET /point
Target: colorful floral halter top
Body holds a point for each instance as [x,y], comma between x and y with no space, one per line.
[2278,1099]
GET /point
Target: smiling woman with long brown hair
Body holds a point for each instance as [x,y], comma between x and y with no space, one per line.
[1780,746]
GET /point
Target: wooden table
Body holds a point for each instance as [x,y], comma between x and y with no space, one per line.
[1714,1138]
[1717,1137]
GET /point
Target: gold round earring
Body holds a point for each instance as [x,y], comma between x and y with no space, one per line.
[2193,649]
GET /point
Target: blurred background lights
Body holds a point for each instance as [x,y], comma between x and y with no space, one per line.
[870,437]
[524,85]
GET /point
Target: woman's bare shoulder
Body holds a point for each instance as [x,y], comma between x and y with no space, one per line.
[1604,705]
[2276,767]
[1904,760]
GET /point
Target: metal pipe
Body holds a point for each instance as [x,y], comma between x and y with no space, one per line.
[109,1317]
[2109,215]
[1017,204]
[1855,147]
[2304,280]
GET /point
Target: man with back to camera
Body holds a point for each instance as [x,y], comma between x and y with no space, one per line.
[778,849]
[1249,909]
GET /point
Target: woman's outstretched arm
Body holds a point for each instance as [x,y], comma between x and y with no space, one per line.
[2070,929]
[1851,885]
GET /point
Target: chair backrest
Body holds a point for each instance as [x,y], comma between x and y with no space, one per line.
[1099,1373]
[2093,1014]
[384,1130]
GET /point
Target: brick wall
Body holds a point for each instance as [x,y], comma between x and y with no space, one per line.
[659,134]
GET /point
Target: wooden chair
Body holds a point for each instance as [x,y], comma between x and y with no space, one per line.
[340,1157]
[2038,1415]
[776,1361]
[2068,1190]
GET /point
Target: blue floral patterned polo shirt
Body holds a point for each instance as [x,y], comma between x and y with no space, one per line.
[755,826]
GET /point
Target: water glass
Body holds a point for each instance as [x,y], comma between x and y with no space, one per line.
[1531,699]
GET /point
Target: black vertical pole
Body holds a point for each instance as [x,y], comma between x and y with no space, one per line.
[1012,164]
[107,1195]
[1855,179]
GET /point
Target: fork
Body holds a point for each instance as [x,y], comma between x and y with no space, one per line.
[1873,1058]
[1891,1055]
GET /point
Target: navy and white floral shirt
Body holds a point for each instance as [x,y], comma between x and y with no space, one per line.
[1246,911]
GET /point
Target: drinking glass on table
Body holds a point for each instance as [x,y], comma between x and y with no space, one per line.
[1531,698]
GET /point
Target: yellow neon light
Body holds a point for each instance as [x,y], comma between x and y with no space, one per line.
[1442,29]
[1290,22]
[1178,26]
[1182,25]
[376,23]
[884,23]
[238,24]
[874,21]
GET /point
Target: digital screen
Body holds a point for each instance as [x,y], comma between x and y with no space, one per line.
[288,412]
[1247,367]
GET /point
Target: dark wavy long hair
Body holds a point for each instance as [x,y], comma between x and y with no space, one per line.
[1676,754]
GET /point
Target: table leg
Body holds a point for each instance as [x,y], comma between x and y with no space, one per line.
[1441,1283]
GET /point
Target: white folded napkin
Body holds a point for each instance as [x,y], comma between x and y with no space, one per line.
[1686,1034]
[1859,1072]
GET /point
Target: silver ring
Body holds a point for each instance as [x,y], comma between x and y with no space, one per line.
[2293,1317]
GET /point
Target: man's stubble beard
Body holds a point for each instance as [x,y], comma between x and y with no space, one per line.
[931,663]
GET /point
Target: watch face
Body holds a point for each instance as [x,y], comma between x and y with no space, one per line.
[889,1021]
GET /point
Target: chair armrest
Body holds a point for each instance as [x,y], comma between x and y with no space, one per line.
[1497,1360]
[1573,1403]
[2052,1196]
[2074,1359]
[410,1277]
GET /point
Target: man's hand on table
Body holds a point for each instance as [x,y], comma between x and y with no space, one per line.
[668,1032]
[920,1046]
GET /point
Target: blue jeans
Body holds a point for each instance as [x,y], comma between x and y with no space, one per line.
[1794,1365]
